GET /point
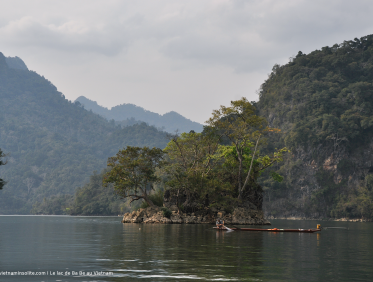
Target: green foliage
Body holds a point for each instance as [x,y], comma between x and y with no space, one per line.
[358,204]
[323,199]
[94,199]
[325,96]
[91,199]
[322,102]
[213,175]
[55,205]
[190,161]
[276,176]
[156,198]
[242,127]
[166,212]
[133,172]
[192,170]
[369,182]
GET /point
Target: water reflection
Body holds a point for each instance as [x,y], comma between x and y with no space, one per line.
[184,252]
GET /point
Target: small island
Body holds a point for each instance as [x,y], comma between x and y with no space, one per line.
[205,175]
[244,216]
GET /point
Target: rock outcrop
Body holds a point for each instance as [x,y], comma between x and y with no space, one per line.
[155,215]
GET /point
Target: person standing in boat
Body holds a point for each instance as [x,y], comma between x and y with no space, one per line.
[220,223]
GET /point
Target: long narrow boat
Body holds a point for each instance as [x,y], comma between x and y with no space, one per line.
[269,230]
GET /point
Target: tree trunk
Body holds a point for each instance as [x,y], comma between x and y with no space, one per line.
[146,198]
[251,166]
[239,156]
[148,201]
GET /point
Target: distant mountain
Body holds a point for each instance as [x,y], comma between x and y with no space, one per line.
[53,145]
[170,122]
[15,63]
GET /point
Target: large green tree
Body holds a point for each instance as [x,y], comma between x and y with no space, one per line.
[191,163]
[206,171]
[133,172]
[244,129]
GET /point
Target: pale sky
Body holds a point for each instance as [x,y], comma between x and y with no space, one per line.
[167,55]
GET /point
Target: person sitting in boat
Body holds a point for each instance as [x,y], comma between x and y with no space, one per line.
[220,223]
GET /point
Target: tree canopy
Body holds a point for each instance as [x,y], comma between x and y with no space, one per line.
[243,128]
[214,174]
[133,172]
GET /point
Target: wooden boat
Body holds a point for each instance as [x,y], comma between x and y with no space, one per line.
[270,230]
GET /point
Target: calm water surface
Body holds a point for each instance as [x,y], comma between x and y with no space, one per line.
[180,252]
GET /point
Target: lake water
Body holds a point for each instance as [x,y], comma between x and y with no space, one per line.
[59,248]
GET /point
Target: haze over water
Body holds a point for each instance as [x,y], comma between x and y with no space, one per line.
[180,252]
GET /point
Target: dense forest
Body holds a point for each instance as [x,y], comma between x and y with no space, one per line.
[323,103]
[91,199]
[129,114]
[53,145]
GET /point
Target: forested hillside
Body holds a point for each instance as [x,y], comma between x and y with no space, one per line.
[128,114]
[323,102]
[52,144]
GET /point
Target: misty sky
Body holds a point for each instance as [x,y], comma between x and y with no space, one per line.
[168,55]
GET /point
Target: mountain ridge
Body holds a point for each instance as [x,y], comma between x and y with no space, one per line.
[53,145]
[170,122]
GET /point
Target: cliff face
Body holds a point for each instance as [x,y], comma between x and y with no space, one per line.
[323,103]
[330,186]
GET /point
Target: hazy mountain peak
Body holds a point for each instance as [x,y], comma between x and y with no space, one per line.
[2,61]
[170,121]
[16,63]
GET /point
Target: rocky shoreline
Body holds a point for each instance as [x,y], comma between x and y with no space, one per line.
[239,216]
